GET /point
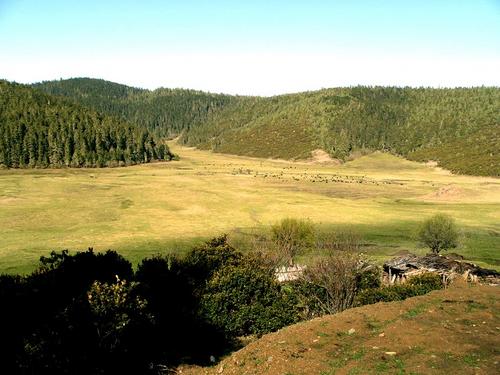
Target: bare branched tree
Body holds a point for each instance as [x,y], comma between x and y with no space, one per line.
[291,236]
[336,277]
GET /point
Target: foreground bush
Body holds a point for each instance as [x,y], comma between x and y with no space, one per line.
[246,299]
[415,286]
[117,311]
[88,313]
[331,284]
[172,287]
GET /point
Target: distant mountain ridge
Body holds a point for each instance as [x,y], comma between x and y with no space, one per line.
[40,130]
[459,128]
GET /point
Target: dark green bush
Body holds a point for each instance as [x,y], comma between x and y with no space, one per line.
[416,286]
[246,299]
[167,283]
[369,278]
[310,298]
[426,282]
[203,261]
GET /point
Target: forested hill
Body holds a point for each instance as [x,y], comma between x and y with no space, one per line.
[166,112]
[459,128]
[40,130]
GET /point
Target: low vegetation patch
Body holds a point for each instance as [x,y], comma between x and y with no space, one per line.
[95,314]
[415,286]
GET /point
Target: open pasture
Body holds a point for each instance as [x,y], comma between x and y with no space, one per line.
[168,207]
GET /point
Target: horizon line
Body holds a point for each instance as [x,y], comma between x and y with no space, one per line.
[444,87]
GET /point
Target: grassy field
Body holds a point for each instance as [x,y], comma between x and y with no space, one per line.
[168,207]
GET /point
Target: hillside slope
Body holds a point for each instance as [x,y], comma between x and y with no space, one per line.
[459,128]
[165,111]
[448,331]
[40,130]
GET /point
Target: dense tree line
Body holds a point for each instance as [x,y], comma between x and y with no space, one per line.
[39,130]
[457,127]
[460,128]
[166,112]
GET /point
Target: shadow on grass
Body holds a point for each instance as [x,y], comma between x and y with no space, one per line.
[379,242]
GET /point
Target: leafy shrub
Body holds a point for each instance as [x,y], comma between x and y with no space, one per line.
[201,262]
[15,317]
[246,299]
[104,331]
[310,298]
[426,282]
[415,286]
[439,233]
[66,335]
[115,307]
[368,277]
[167,283]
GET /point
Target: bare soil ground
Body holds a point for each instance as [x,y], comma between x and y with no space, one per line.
[447,193]
[320,156]
[454,331]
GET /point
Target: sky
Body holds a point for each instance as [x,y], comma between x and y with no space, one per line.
[256,47]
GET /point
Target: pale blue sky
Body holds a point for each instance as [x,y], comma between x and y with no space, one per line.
[254,47]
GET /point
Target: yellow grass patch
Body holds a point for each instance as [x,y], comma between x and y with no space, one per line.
[163,207]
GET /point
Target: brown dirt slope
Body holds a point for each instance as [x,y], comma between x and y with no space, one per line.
[455,331]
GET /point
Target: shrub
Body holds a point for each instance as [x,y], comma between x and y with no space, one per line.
[72,274]
[106,330]
[115,308]
[426,282]
[16,315]
[166,282]
[368,277]
[246,299]
[201,262]
[333,282]
[415,286]
[439,233]
[336,275]
[292,236]
[310,298]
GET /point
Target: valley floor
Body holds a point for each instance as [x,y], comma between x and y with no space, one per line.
[168,207]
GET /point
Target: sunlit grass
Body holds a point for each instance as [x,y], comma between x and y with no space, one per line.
[168,207]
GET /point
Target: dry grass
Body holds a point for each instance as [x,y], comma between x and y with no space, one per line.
[165,207]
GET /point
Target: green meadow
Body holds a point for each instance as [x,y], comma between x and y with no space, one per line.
[169,207]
